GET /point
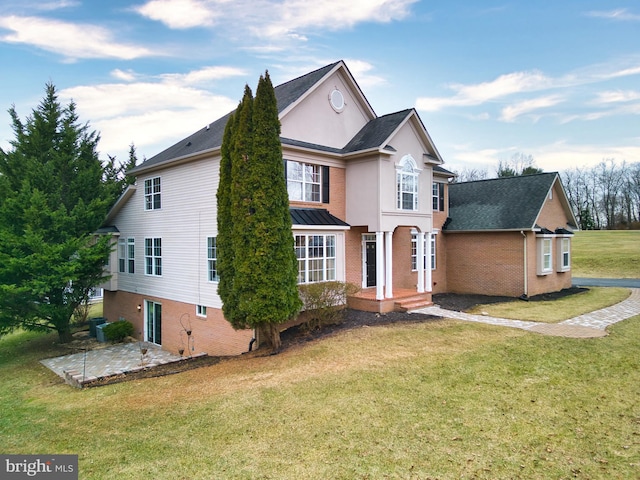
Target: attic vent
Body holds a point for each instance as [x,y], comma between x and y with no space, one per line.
[188,144]
[336,99]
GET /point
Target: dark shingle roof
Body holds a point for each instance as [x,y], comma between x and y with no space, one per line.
[210,137]
[376,131]
[315,216]
[508,203]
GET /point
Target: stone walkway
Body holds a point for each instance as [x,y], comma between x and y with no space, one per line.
[589,325]
[83,368]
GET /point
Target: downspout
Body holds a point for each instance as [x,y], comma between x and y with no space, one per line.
[525,296]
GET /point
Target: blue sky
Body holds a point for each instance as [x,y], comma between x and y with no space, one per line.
[558,80]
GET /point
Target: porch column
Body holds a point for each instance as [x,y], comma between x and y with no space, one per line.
[420,261]
[427,255]
[388,267]
[379,266]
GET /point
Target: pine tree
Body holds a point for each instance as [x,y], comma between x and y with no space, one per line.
[263,292]
[52,198]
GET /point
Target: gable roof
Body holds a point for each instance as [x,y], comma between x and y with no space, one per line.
[507,203]
[374,135]
[209,138]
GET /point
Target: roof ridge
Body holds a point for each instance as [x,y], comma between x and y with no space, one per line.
[505,178]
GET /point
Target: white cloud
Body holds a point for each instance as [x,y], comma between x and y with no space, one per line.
[562,156]
[618,14]
[127,76]
[511,112]
[204,75]
[471,95]
[70,40]
[617,96]
[277,20]
[360,70]
[179,14]
[152,113]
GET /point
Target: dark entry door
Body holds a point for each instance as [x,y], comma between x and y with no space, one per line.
[370,259]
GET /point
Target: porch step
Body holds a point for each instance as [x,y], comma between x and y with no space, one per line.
[412,303]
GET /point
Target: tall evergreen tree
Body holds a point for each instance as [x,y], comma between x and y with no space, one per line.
[53,196]
[224,239]
[264,286]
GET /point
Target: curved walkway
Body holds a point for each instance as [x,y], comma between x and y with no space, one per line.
[589,325]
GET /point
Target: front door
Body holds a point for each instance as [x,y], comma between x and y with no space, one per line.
[153,326]
[370,260]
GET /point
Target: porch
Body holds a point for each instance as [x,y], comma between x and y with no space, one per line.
[403,300]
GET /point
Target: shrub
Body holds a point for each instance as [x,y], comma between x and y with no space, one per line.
[118,331]
[324,302]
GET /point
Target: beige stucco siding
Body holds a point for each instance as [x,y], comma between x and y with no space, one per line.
[315,121]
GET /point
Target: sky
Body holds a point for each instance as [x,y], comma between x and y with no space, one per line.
[557,80]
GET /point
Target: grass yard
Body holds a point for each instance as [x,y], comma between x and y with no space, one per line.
[553,311]
[606,254]
[434,400]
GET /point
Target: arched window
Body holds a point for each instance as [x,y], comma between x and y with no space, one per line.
[407,183]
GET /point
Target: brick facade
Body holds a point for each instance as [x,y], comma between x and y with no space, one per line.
[212,334]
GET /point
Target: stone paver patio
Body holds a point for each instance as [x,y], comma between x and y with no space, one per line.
[83,368]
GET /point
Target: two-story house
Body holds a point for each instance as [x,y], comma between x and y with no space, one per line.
[361,193]
[369,203]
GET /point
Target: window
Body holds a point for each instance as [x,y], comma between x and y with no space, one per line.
[201,311]
[407,184]
[316,256]
[414,251]
[153,256]
[122,254]
[433,252]
[212,259]
[152,200]
[126,255]
[438,196]
[545,258]
[304,181]
[564,254]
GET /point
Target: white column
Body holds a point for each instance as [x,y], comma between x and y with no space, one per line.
[379,266]
[427,272]
[388,264]
[420,261]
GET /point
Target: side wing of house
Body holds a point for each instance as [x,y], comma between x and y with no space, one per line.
[509,236]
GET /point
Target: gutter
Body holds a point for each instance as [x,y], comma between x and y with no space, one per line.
[526,284]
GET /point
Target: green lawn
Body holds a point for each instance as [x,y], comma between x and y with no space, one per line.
[606,254]
[553,311]
[439,400]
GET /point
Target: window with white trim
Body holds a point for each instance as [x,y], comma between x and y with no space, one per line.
[304,181]
[153,256]
[316,256]
[201,311]
[414,251]
[126,255]
[212,259]
[407,184]
[122,254]
[545,255]
[152,194]
[437,194]
[564,254]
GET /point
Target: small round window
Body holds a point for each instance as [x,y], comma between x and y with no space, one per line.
[337,100]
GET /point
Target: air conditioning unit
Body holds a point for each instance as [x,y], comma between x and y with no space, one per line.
[100,336]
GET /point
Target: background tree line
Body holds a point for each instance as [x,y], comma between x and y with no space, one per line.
[606,196]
